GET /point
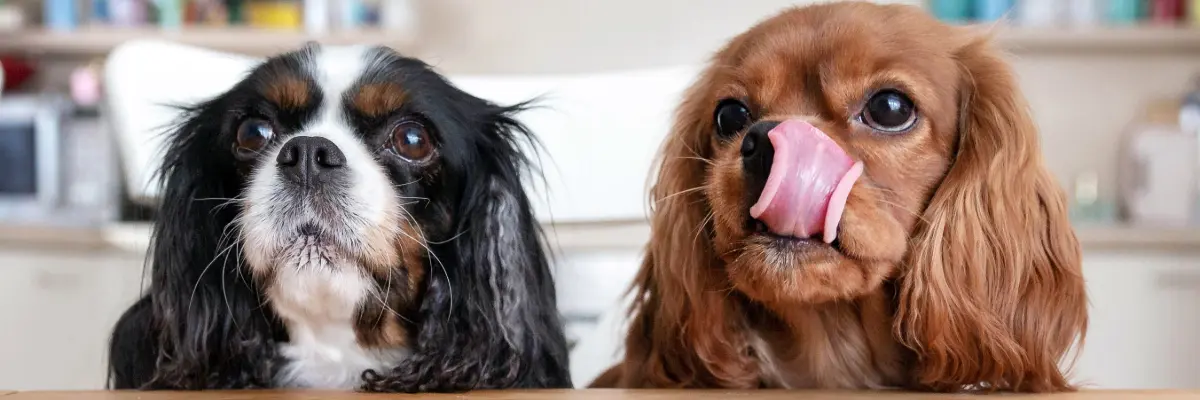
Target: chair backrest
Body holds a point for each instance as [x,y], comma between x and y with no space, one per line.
[143,80]
[600,131]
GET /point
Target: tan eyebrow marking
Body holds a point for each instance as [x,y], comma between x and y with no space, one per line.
[379,99]
[287,92]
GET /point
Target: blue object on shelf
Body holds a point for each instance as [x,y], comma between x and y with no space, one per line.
[99,11]
[170,13]
[1123,12]
[951,10]
[61,15]
[992,10]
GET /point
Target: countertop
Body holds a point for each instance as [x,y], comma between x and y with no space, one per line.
[588,395]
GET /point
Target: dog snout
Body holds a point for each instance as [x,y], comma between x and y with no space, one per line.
[304,159]
[757,154]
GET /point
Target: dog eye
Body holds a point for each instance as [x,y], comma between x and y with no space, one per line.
[253,134]
[889,111]
[730,117]
[411,141]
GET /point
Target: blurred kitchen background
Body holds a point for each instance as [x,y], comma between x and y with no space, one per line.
[1114,84]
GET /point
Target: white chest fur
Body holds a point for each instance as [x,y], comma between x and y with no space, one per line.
[318,305]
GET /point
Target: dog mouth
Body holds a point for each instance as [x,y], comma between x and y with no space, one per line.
[313,234]
[309,229]
[760,230]
[807,186]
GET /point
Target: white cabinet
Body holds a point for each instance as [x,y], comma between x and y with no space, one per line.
[56,310]
[1145,321]
[58,306]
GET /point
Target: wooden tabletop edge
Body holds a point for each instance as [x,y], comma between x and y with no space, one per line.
[593,394]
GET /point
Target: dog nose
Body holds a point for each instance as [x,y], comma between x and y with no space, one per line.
[757,154]
[303,158]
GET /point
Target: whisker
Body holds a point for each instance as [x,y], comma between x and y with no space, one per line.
[433,256]
[450,239]
[695,153]
[225,202]
[239,267]
[386,293]
[224,292]
[685,191]
[703,223]
[407,183]
[903,208]
[383,301]
[241,275]
[883,189]
[199,278]
[224,235]
[705,160]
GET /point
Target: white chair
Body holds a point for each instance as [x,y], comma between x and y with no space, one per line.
[600,134]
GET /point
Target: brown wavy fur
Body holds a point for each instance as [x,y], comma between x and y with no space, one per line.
[958,269]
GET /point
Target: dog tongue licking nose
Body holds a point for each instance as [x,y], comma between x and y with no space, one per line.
[808,184]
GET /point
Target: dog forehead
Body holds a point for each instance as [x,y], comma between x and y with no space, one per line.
[337,68]
[354,73]
[849,37]
[831,55]
[292,80]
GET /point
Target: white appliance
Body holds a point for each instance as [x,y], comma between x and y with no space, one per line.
[1158,176]
[55,168]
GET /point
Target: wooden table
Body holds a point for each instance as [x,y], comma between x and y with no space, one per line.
[589,395]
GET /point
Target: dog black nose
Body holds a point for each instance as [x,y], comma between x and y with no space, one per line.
[304,158]
[757,154]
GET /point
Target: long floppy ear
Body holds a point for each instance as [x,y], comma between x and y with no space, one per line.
[993,294]
[683,331]
[489,318]
[200,325]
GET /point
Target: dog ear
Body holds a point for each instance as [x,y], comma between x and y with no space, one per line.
[993,297]
[199,320]
[683,331]
[489,318]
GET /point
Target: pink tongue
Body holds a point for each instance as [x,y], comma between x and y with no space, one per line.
[808,184]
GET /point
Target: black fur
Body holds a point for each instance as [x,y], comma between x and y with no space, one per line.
[487,316]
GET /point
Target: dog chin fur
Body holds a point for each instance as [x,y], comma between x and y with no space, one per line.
[317,295]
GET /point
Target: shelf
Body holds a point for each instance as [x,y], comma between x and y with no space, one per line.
[257,42]
[95,41]
[1100,39]
[1137,237]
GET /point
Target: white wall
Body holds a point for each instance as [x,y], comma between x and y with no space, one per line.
[535,36]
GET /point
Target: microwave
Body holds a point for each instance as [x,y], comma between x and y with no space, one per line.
[57,165]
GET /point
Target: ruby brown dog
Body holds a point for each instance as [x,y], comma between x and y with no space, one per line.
[853,196]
